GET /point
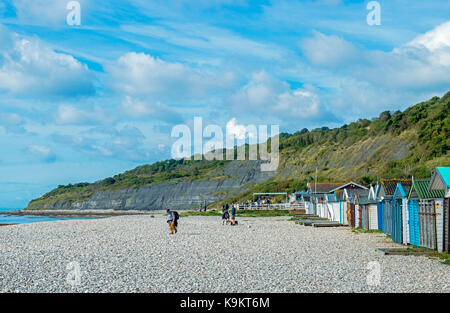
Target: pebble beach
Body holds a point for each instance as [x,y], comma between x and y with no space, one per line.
[137,254]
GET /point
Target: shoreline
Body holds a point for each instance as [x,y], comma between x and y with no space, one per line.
[79,213]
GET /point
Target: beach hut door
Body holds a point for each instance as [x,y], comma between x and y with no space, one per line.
[427,224]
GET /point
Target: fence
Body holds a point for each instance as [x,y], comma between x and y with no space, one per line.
[272,206]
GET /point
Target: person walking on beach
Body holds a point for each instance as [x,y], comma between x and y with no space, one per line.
[233,214]
[172,219]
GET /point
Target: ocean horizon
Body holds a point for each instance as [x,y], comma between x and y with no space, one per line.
[7,219]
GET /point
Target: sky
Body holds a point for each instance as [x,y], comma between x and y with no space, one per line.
[84,102]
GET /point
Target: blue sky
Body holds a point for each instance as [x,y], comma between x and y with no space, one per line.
[80,103]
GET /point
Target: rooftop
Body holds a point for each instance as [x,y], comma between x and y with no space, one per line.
[323,187]
[420,190]
[440,179]
[390,185]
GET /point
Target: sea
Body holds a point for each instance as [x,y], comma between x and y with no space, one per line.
[6,218]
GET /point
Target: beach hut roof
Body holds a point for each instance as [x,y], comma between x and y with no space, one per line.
[419,190]
[402,188]
[440,179]
[350,184]
[390,185]
[357,194]
[323,187]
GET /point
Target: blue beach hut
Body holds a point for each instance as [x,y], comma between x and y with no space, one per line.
[400,227]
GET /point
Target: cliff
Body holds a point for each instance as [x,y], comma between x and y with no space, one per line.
[395,144]
[174,194]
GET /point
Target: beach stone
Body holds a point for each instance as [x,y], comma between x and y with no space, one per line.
[137,254]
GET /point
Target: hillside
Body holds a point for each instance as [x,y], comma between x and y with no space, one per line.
[395,144]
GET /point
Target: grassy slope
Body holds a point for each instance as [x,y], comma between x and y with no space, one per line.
[398,144]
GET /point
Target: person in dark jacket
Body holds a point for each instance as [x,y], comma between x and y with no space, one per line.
[225,218]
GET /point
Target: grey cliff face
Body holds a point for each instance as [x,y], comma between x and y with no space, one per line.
[181,195]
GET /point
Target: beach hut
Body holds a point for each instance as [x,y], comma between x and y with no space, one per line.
[333,205]
[372,209]
[441,181]
[400,227]
[380,212]
[369,210]
[301,199]
[319,193]
[364,209]
[422,226]
[343,198]
[356,196]
[361,212]
[348,205]
[385,192]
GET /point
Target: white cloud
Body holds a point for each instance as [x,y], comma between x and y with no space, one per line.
[421,64]
[69,114]
[137,108]
[275,99]
[204,37]
[239,131]
[30,67]
[140,74]
[41,152]
[125,143]
[328,50]
[12,123]
[435,39]
[46,12]
[299,103]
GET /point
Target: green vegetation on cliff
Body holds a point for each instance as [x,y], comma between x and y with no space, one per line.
[395,144]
